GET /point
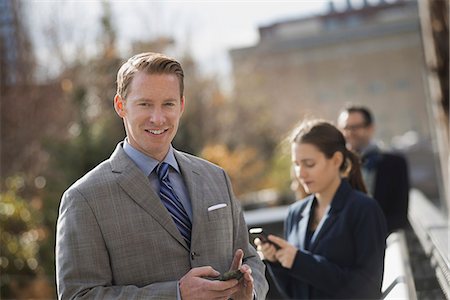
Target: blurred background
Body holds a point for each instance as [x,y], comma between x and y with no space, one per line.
[253,70]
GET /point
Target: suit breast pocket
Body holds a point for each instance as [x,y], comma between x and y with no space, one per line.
[219,213]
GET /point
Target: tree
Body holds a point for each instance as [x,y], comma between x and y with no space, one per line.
[201,122]
[20,242]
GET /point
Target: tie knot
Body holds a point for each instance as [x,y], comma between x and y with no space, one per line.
[163,171]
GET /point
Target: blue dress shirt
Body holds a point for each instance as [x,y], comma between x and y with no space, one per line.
[148,165]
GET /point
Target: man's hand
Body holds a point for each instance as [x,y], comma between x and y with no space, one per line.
[194,286]
[287,252]
[245,285]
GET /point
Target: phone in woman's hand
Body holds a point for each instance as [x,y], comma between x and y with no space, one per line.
[259,233]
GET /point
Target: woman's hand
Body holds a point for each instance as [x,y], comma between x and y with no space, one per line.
[266,249]
[287,252]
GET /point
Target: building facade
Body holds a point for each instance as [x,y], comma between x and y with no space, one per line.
[371,55]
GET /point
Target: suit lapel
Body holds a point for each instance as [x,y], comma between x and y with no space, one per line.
[337,204]
[137,186]
[323,228]
[303,224]
[194,183]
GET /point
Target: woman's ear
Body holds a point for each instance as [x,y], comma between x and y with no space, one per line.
[119,105]
[338,159]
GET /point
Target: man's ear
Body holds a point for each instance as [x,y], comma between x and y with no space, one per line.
[183,102]
[119,105]
[371,130]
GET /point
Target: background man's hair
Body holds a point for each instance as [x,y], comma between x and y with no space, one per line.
[367,115]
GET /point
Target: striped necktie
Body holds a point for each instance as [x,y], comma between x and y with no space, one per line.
[173,203]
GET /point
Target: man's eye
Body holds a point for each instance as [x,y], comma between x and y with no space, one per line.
[170,104]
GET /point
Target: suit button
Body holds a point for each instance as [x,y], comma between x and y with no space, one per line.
[194,254]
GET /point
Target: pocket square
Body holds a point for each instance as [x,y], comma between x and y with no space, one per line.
[217,206]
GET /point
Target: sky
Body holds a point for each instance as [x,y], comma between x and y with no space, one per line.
[207,29]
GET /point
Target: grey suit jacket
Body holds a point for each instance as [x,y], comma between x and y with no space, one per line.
[116,240]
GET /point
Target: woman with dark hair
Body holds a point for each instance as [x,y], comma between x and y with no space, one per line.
[334,240]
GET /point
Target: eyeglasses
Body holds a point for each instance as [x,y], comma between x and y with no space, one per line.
[354,127]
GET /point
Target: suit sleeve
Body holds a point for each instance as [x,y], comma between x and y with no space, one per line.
[241,241]
[280,275]
[83,269]
[366,275]
[399,195]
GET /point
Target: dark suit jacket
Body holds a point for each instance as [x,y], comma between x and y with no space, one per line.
[346,259]
[116,240]
[391,188]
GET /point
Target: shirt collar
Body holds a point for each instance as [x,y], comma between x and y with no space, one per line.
[371,147]
[146,163]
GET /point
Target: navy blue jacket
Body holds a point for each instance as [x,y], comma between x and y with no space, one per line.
[391,188]
[346,258]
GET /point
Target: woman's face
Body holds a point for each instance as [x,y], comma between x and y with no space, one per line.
[314,170]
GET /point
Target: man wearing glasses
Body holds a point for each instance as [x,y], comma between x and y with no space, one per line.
[385,173]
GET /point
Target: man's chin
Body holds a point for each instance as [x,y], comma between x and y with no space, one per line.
[354,148]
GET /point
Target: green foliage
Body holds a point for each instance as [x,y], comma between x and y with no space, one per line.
[200,123]
[279,176]
[244,166]
[20,238]
[91,140]
[92,144]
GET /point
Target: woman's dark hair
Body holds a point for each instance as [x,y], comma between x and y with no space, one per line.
[329,140]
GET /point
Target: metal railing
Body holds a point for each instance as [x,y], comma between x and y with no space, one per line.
[431,227]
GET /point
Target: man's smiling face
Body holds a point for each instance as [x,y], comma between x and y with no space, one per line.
[151,112]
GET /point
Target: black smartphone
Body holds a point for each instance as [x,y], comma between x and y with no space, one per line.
[259,233]
[236,274]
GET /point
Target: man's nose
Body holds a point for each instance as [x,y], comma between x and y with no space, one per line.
[157,116]
[347,133]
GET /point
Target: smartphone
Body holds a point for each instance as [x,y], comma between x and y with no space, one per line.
[259,233]
[235,274]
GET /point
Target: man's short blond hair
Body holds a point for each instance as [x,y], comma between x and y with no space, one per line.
[150,63]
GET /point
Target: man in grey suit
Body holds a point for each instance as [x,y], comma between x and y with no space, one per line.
[117,236]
